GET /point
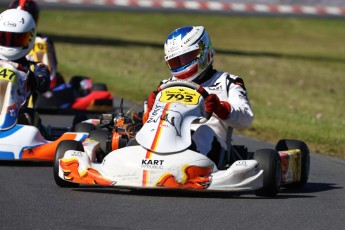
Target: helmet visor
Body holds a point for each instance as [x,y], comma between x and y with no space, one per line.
[10,39]
[183,59]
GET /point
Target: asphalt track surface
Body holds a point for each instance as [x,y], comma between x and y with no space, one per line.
[30,199]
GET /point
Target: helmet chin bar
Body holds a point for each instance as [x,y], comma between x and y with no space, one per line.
[189,73]
[10,54]
[204,75]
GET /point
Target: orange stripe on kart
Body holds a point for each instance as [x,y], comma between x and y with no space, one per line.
[146,173]
[159,130]
[46,151]
[145,178]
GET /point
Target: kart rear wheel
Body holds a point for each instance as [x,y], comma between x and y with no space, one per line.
[132,142]
[121,142]
[289,144]
[102,136]
[62,147]
[269,162]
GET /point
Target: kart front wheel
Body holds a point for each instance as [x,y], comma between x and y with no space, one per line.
[102,136]
[269,162]
[289,144]
[62,147]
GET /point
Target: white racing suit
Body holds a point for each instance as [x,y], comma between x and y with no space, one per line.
[213,138]
[228,88]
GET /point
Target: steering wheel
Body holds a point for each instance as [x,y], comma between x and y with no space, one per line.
[188,84]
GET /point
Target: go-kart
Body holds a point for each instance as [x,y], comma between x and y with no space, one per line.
[20,136]
[80,94]
[160,157]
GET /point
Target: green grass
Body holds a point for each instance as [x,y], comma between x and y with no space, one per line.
[293,68]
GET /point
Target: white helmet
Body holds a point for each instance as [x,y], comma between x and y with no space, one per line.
[17,34]
[188,52]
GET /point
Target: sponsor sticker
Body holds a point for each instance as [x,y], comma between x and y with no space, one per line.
[77,154]
[183,95]
[9,24]
[241,163]
[39,47]
[8,75]
[152,164]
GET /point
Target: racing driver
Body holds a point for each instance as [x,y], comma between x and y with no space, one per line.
[17,36]
[43,44]
[189,56]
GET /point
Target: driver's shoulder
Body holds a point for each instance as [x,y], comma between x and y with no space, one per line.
[226,75]
[228,79]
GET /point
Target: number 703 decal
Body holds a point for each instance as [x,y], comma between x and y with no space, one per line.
[183,95]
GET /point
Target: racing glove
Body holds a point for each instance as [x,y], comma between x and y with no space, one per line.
[40,78]
[214,105]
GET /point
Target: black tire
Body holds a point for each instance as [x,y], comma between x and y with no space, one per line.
[132,142]
[102,136]
[269,162]
[62,147]
[289,144]
[99,87]
[122,143]
[84,127]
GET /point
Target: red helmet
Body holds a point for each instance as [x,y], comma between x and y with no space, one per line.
[27,5]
